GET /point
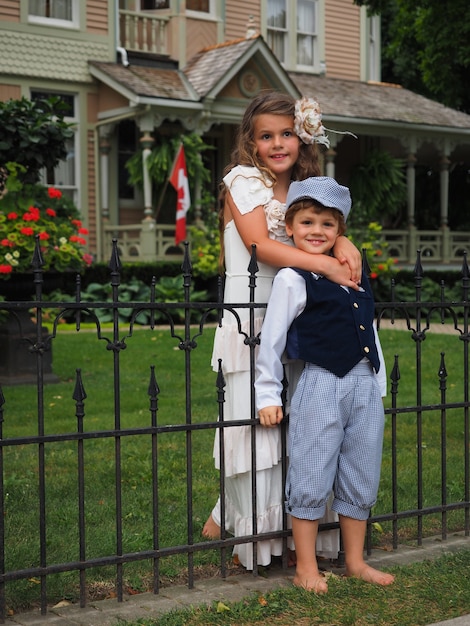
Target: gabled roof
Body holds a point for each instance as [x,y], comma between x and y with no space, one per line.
[214,67]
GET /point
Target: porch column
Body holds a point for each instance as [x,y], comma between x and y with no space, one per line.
[330,156]
[444,202]
[411,194]
[411,187]
[104,150]
[147,142]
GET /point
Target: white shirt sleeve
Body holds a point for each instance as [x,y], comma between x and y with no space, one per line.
[248,187]
[287,300]
[382,373]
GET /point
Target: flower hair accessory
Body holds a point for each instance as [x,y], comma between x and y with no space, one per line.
[308,125]
[307,122]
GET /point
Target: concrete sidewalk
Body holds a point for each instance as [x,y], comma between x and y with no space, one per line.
[232,589]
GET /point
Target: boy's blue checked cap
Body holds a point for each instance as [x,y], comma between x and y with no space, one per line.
[322,189]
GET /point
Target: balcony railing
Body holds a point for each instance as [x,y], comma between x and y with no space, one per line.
[143,32]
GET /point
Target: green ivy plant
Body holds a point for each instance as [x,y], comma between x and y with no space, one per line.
[160,161]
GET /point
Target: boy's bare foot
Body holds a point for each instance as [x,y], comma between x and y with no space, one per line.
[211,529]
[371,575]
[314,582]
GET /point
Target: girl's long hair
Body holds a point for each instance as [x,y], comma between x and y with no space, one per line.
[245,152]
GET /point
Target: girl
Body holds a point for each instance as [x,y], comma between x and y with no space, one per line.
[277,142]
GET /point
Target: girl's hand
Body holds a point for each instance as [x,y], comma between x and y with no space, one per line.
[270,416]
[347,253]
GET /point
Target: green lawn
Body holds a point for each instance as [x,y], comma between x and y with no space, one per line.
[157,348]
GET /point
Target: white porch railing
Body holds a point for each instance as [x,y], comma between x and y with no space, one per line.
[149,241]
[146,241]
[143,32]
[436,246]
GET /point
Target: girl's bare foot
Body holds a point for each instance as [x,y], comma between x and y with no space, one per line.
[317,584]
[211,529]
[371,575]
[291,558]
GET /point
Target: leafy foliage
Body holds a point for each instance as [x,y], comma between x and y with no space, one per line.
[34,134]
[378,189]
[169,289]
[32,211]
[426,47]
[160,161]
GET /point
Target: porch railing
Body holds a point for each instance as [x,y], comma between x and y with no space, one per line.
[43,445]
[139,242]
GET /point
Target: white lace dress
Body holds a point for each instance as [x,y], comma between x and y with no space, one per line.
[249,190]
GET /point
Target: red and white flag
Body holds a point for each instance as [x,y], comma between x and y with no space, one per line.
[179,180]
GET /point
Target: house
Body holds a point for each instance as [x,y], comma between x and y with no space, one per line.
[132,71]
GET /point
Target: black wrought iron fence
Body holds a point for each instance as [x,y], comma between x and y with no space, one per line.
[26,351]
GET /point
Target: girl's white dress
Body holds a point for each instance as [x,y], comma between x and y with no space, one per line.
[250,189]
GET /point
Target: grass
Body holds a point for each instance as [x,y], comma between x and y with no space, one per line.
[82,350]
[423,593]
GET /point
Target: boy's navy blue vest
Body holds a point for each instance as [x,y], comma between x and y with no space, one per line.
[335,329]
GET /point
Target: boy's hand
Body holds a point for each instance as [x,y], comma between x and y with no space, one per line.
[270,416]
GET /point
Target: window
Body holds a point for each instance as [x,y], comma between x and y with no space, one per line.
[64,175]
[277,28]
[55,12]
[198,5]
[296,48]
[150,5]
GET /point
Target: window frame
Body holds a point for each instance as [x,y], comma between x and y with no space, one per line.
[71,190]
[291,35]
[58,23]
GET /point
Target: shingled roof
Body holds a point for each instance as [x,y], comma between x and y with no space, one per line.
[377,101]
[356,104]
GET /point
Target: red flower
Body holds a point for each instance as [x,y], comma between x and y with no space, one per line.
[7,243]
[51,212]
[5,269]
[54,193]
[27,230]
[77,223]
[44,236]
[76,239]
[83,231]
[12,216]
[373,274]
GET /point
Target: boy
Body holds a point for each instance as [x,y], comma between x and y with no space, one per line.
[336,416]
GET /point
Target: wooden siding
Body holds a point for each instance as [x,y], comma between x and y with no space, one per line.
[200,34]
[10,10]
[342,40]
[97,17]
[9,92]
[237,15]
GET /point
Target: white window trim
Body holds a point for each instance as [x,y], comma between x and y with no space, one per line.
[50,21]
[75,188]
[290,46]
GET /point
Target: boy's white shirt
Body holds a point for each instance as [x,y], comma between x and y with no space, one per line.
[287,301]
